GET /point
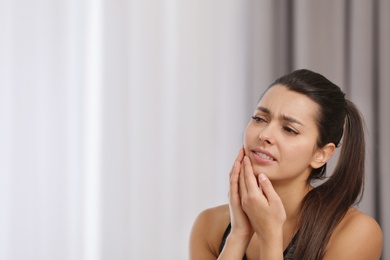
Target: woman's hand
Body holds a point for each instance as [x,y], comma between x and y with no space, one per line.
[262,205]
[241,227]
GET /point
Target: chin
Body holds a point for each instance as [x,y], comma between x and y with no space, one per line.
[256,172]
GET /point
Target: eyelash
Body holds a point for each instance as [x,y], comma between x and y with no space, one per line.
[289,130]
[258,119]
[285,128]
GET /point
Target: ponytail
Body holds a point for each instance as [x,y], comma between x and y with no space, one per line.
[325,206]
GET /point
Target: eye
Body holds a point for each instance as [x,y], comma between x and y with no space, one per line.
[290,130]
[258,119]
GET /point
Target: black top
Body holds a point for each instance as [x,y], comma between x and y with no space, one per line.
[287,254]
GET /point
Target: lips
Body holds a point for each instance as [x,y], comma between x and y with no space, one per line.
[263,156]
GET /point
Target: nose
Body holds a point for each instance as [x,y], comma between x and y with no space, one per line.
[266,135]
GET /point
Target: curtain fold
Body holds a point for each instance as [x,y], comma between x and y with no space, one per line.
[120,120]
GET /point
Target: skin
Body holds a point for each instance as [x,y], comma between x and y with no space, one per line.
[266,191]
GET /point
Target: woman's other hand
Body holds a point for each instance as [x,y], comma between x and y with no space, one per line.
[241,226]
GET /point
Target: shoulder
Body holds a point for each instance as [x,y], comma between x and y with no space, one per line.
[357,236]
[207,231]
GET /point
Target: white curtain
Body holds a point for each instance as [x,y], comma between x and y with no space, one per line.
[120,120]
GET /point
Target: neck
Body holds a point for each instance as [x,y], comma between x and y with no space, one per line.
[292,196]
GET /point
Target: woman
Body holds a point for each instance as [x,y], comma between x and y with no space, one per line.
[274,210]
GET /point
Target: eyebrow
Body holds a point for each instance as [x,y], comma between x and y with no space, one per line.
[284,117]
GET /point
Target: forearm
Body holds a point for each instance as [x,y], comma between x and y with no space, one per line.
[234,248]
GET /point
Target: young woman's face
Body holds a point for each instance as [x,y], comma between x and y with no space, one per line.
[280,139]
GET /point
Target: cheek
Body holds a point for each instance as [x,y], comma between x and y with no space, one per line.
[299,153]
[248,137]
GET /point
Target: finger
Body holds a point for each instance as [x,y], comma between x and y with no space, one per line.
[243,188]
[234,178]
[238,160]
[250,179]
[268,189]
[241,154]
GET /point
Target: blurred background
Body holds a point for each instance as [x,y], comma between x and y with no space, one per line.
[120,120]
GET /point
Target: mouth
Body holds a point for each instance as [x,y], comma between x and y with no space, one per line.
[264,156]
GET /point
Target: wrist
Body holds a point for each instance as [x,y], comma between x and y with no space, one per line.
[271,246]
[239,238]
[235,246]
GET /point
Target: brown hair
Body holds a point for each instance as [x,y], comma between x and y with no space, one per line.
[324,206]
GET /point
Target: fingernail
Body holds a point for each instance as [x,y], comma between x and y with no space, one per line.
[262,177]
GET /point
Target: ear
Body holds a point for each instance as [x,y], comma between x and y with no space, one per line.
[322,155]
